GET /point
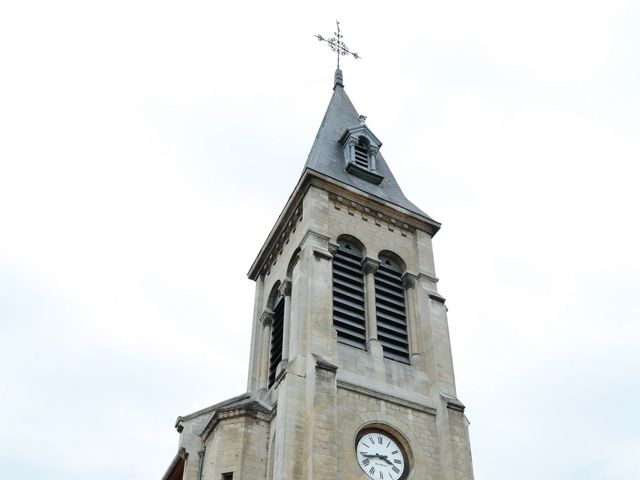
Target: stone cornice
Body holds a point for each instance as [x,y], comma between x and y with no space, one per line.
[436,296]
[324,365]
[386,397]
[207,410]
[379,210]
[312,233]
[351,194]
[279,236]
[253,408]
[367,213]
[452,402]
[321,253]
[431,278]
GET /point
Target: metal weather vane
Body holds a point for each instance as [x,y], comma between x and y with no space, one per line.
[337,45]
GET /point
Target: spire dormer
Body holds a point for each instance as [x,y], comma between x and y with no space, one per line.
[361,147]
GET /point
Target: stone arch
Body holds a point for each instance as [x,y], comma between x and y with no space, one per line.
[395,258]
[346,238]
[273,295]
[292,263]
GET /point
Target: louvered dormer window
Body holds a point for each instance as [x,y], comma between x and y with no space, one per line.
[391,315]
[361,153]
[360,150]
[348,295]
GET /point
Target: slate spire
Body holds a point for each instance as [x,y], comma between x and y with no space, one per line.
[327,154]
[337,79]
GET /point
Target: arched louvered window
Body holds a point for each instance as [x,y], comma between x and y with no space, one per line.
[275,354]
[391,317]
[348,295]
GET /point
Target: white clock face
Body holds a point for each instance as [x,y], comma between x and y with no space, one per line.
[380,457]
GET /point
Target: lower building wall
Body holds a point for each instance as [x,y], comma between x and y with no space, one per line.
[238,445]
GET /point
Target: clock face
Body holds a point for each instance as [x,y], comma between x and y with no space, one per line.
[380,456]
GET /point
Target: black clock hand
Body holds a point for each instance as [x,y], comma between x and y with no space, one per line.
[381,457]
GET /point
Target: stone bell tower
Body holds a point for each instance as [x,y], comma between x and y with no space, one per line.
[351,374]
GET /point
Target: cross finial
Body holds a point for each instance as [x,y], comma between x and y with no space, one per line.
[337,45]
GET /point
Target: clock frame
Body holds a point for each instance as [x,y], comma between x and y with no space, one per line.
[394,466]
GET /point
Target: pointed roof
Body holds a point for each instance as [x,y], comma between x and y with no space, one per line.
[326,161]
[327,157]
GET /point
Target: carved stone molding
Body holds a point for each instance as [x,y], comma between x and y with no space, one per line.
[436,296]
[285,288]
[333,248]
[452,402]
[429,409]
[373,215]
[369,265]
[409,281]
[321,253]
[324,364]
[281,240]
[266,318]
[431,278]
[251,408]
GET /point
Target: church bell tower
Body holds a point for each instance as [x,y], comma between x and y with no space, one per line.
[351,374]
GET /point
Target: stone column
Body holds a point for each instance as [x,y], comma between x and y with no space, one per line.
[352,152]
[409,284]
[373,151]
[285,291]
[253,381]
[267,320]
[369,268]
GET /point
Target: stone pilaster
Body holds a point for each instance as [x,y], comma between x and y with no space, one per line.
[413,332]
[253,381]
[453,433]
[321,459]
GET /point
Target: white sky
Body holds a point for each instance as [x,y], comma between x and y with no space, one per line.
[146,148]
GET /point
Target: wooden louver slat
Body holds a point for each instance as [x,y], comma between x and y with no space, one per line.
[361,156]
[348,296]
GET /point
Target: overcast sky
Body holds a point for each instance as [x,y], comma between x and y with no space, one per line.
[146,148]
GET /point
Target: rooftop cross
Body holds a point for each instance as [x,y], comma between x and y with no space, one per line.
[337,45]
